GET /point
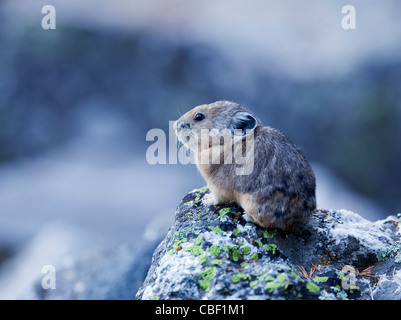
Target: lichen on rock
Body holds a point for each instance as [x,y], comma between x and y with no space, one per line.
[217,252]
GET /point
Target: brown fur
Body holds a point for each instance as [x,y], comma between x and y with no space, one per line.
[280,190]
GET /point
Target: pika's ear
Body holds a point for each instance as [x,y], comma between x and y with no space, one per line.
[242,121]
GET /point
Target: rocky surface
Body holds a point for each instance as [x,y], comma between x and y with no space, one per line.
[219,253]
[114,275]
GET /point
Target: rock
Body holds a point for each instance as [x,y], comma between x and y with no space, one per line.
[113,275]
[84,269]
[217,252]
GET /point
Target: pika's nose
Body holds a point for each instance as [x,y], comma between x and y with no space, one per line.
[179,125]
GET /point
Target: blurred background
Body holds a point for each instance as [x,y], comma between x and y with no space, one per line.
[76,104]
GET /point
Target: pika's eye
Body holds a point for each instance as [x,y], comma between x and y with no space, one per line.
[199,117]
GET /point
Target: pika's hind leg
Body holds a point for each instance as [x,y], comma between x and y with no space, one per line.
[248,203]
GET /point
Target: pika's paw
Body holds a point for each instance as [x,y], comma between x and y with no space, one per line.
[210,200]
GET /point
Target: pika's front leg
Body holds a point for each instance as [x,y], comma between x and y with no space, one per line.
[210,199]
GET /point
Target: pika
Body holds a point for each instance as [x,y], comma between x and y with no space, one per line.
[280,189]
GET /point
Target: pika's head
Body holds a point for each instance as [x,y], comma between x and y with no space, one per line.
[220,115]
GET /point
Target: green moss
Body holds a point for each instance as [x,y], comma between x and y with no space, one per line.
[272,285]
[204,189]
[320,279]
[236,232]
[235,253]
[352,288]
[216,229]
[281,277]
[189,203]
[312,287]
[199,239]
[179,238]
[253,283]
[223,211]
[258,242]
[195,250]
[172,251]
[271,247]
[240,276]
[207,275]
[295,274]
[203,259]
[216,262]
[198,196]
[268,234]
[254,256]
[154,298]
[246,250]
[243,264]
[214,249]
[265,277]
